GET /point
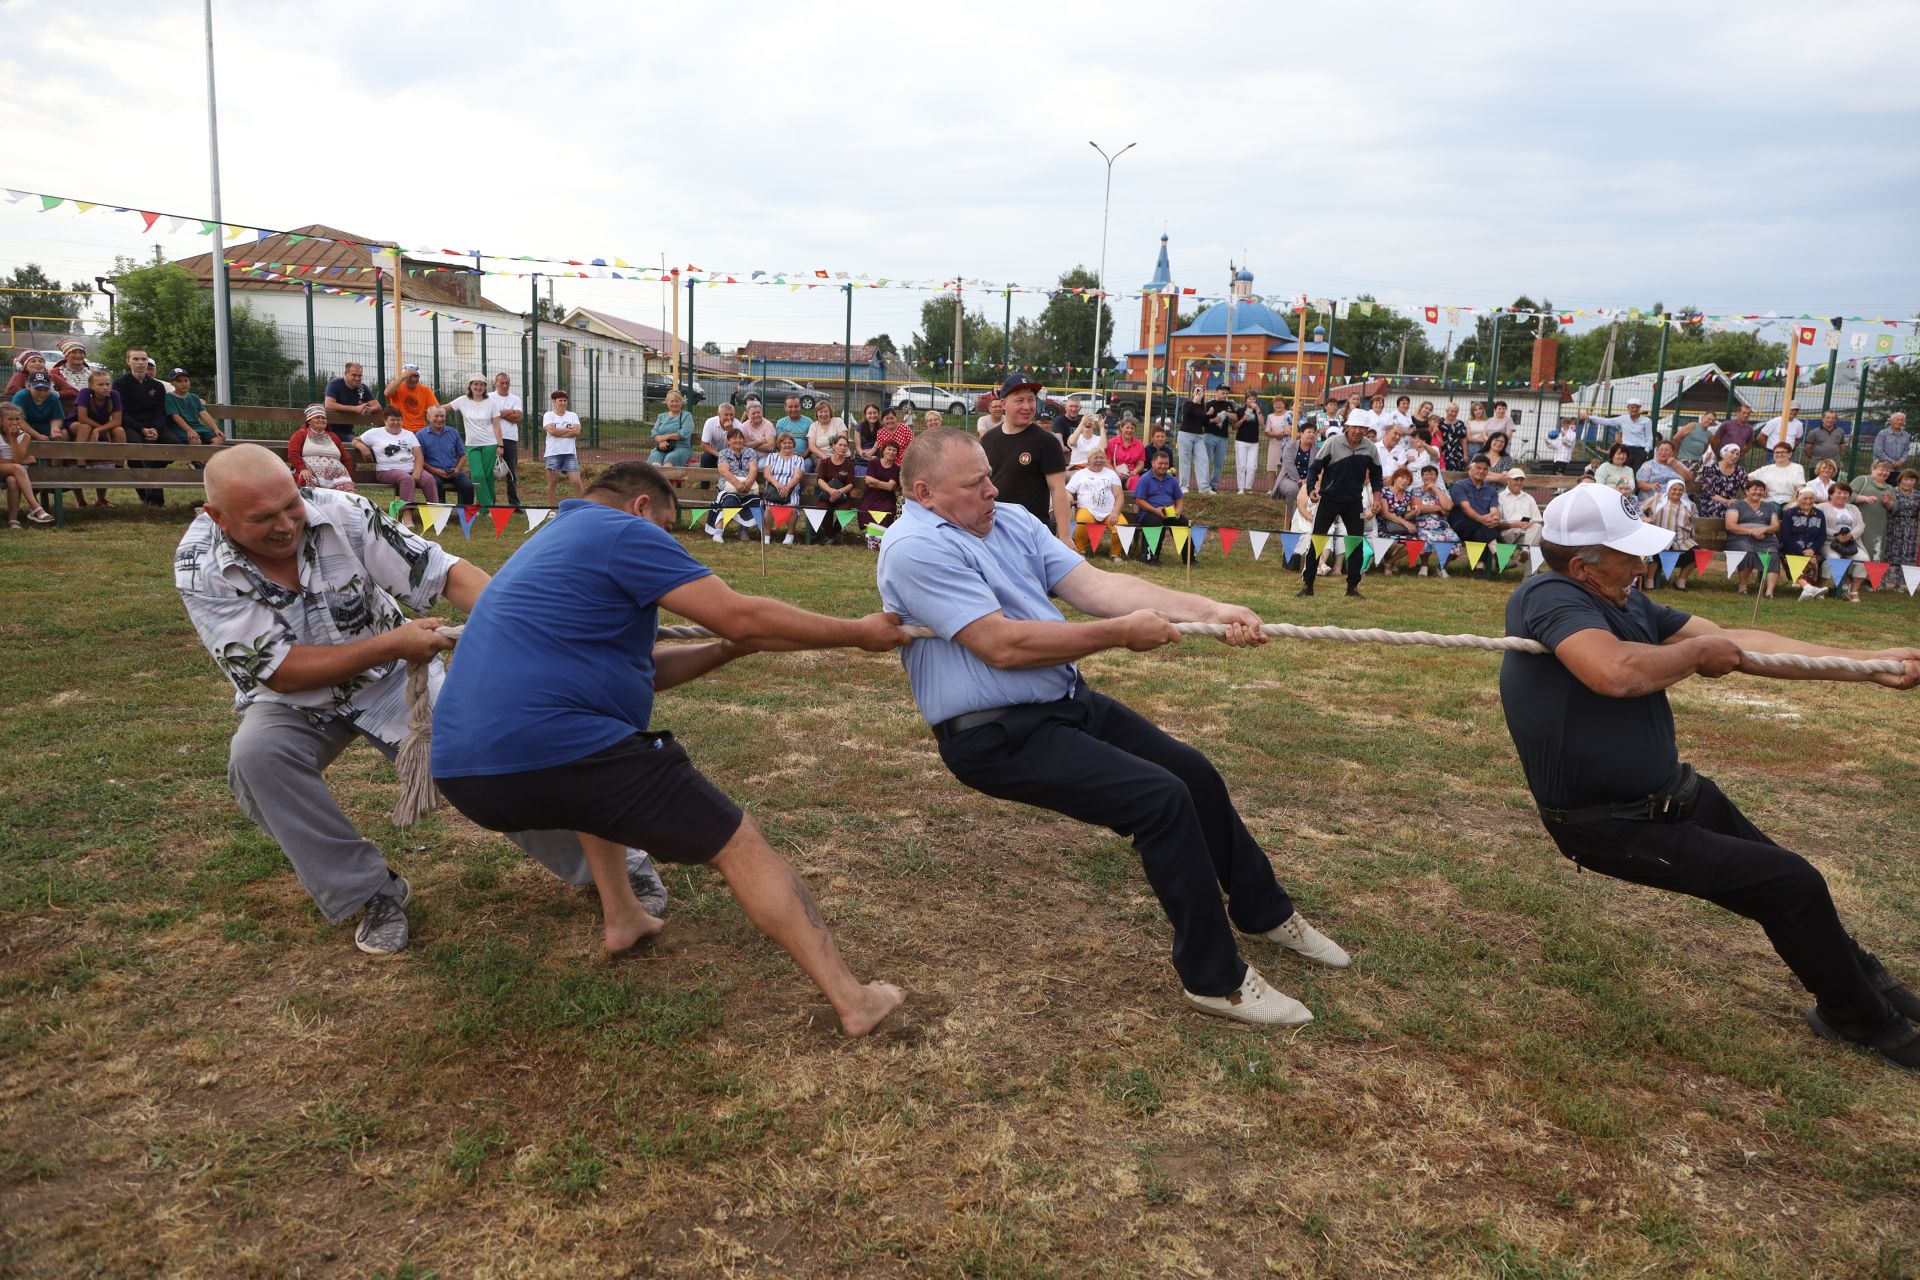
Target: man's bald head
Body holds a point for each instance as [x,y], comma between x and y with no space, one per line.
[237,472]
[251,496]
[933,453]
[946,472]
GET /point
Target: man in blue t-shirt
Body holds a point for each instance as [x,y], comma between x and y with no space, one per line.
[1595,735]
[569,744]
[999,688]
[1156,499]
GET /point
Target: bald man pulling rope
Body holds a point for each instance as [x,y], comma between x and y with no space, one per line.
[298,594]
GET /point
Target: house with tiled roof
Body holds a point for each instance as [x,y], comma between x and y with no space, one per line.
[656,342]
[811,362]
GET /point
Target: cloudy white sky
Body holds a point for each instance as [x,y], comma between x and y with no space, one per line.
[1738,157]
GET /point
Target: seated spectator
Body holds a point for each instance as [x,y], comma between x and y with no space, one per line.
[1519,517]
[1615,473]
[1095,491]
[1803,532]
[561,453]
[1126,452]
[758,430]
[1157,442]
[1306,505]
[868,443]
[1495,454]
[445,455]
[1845,527]
[1783,478]
[16,455]
[317,457]
[1722,484]
[825,430]
[1753,527]
[714,433]
[1394,512]
[1825,472]
[739,482]
[74,372]
[836,480]
[96,416]
[1432,506]
[188,412]
[1673,511]
[672,434]
[1157,497]
[1296,456]
[783,472]
[1087,437]
[930,419]
[1476,508]
[350,394]
[40,408]
[1663,466]
[26,365]
[880,494]
[397,458]
[895,431]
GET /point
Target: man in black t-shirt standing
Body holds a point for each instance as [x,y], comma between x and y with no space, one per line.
[1029,466]
[143,407]
[1595,734]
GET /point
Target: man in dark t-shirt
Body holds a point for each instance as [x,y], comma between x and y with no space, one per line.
[1029,466]
[349,393]
[1595,734]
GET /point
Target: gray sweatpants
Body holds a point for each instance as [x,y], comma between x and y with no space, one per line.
[274,766]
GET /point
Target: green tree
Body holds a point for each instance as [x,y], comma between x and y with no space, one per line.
[931,348]
[1372,342]
[164,309]
[62,306]
[1517,334]
[1893,387]
[883,343]
[1064,331]
[710,348]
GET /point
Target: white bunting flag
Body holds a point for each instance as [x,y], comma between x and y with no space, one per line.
[1258,538]
[1453,317]
[1125,534]
[815,515]
[535,515]
[1857,342]
[1380,548]
[1733,561]
[1538,558]
[438,514]
[1911,572]
[1911,344]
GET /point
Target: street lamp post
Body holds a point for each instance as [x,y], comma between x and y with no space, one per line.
[1100,281]
[222,351]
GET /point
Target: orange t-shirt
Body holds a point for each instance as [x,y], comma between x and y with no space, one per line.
[413,404]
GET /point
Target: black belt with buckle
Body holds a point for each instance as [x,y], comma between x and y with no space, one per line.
[972,720]
[1671,803]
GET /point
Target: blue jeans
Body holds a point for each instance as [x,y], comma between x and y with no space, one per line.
[1216,461]
[1190,445]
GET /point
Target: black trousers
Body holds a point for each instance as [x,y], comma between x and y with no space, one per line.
[1349,516]
[1090,757]
[1147,519]
[510,454]
[1717,855]
[1636,456]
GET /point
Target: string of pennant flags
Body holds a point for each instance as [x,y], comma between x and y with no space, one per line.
[614,267]
[772,518]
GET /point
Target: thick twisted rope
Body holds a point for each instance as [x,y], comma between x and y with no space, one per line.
[418,795]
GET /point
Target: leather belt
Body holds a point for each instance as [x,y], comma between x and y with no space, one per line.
[972,720]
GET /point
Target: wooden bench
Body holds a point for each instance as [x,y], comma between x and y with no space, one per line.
[60,465]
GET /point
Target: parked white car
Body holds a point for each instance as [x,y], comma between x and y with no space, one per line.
[922,395]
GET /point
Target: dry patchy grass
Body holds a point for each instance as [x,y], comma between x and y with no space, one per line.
[1528,1072]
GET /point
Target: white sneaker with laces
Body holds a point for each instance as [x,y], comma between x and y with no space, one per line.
[1296,935]
[1254,1002]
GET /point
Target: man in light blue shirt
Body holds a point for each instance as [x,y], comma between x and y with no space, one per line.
[1893,443]
[1015,720]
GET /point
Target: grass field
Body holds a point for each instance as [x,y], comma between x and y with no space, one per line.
[1528,1072]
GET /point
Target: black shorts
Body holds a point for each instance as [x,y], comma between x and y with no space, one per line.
[642,792]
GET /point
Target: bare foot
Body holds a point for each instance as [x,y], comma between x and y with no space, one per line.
[626,936]
[875,1002]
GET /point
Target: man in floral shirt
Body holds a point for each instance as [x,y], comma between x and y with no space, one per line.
[297,595]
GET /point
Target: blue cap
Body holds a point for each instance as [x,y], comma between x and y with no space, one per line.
[1018,381]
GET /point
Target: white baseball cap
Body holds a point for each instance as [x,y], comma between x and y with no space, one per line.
[1590,515]
[1634,402]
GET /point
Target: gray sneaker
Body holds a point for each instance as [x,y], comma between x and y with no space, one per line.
[647,884]
[383,930]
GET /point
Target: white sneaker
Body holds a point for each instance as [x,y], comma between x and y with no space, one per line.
[1444,573]
[1296,935]
[1423,571]
[718,535]
[1808,591]
[787,541]
[1254,1002]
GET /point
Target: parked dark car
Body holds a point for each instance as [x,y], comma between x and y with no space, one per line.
[772,394]
[658,384]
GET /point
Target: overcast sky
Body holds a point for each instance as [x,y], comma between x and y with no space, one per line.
[1745,157]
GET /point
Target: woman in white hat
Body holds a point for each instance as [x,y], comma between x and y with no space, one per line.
[1673,511]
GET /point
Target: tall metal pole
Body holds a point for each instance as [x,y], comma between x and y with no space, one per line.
[1660,376]
[436,351]
[1859,420]
[380,330]
[1006,334]
[1833,364]
[313,384]
[846,363]
[1493,367]
[1326,379]
[222,338]
[1232,297]
[1446,361]
[530,372]
[1100,281]
[690,347]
